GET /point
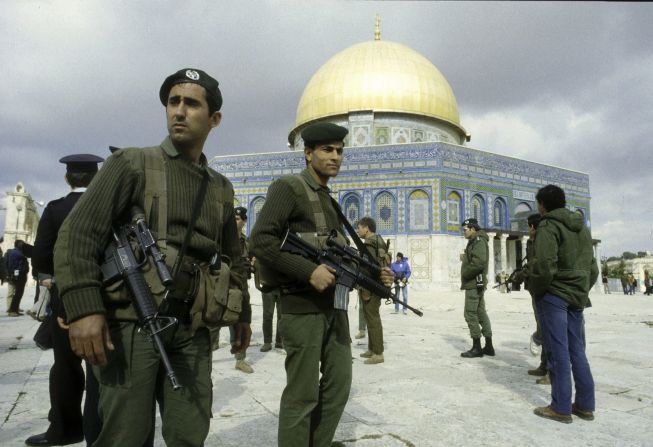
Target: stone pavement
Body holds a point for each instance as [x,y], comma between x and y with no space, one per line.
[424,394]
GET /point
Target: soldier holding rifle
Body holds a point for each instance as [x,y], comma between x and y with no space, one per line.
[315,333]
[190,209]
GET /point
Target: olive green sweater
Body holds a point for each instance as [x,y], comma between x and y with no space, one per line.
[118,185]
[287,206]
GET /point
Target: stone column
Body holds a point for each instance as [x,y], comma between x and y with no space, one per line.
[504,252]
[491,272]
[524,244]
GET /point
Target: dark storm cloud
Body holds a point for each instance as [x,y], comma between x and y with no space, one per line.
[567,84]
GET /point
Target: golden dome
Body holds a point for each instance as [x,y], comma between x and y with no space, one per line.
[379,76]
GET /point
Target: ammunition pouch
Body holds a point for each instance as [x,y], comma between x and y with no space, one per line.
[219,300]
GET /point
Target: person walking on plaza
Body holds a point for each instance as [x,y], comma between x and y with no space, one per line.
[401,270]
[377,248]
[315,334]
[241,220]
[562,274]
[473,277]
[66,379]
[17,269]
[190,209]
[606,286]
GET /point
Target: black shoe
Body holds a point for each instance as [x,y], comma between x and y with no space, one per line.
[278,345]
[476,350]
[41,440]
[488,349]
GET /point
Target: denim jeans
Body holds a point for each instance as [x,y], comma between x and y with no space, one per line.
[564,340]
[404,292]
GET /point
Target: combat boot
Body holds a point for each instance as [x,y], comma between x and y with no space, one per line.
[361,334]
[544,380]
[476,350]
[243,366]
[539,371]
[367,354]
[376,358]
[488,349]
[266,347]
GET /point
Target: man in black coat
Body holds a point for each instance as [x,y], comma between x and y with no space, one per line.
[66,374]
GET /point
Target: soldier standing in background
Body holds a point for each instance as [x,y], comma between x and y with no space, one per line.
[473,276]
[378,248]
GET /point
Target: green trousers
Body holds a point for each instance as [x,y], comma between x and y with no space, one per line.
[270,302]
[374,328]
[318,377]
[475,314]
[134,377]
[362,323]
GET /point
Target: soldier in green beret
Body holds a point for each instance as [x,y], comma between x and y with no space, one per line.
[315,334]
[165,181]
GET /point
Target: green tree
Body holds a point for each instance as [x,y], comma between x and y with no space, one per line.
[629,255]
[641,254]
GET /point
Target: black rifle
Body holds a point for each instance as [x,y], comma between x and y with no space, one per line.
[122,263]
[351,269]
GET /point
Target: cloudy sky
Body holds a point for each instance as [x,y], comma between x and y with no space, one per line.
[566,84]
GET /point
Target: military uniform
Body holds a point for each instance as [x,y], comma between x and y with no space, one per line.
[131,379]
[315,335]
[475,265]
[371,303]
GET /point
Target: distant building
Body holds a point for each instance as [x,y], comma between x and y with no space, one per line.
[406,164]
[21,218]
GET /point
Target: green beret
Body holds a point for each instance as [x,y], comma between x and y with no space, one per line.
[241,212]
[318,132]
[193,76]
[471,223]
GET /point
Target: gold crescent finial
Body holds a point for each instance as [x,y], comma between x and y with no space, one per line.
[377,28]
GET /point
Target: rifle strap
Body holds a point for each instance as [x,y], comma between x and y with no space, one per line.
[320,219]
[197,207]
[156,194]
[362,248]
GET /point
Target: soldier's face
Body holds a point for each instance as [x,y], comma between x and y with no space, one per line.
[240,224]
[469,232]
[325,159]
[187,113]
[361,230]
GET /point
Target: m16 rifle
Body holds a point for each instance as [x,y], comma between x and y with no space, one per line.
[122,264]
[351,268]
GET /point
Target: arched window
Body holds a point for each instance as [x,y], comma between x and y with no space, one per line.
[522,207]
[352,208]
[418,210]
[478,209]
[384,212]
[255,208]
[454,209]
[499,213]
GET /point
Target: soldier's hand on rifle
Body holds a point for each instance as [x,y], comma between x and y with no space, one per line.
[323,277]
[387,276]
[243,336]
[89,336]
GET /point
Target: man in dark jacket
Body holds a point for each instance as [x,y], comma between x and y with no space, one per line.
[473,276]
[66,375]
[563,271]
[17,269]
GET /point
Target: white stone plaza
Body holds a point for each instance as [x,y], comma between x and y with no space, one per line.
[424,394]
